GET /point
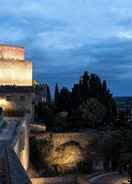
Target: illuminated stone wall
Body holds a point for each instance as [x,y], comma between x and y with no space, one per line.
[68,150]
[82,138]
[14,69]
[53,180]
[14,104]
[17,73]
[11,52]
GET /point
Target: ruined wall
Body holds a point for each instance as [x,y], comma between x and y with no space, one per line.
[11,52]
[55,180]
[82,138]
[58,139]
[17,73]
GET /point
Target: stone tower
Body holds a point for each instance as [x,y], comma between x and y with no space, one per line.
[14,69]
[16,92]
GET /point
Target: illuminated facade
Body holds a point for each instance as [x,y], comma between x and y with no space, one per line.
[16,94]
[14,69]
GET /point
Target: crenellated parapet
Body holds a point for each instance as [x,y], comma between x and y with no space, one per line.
[14,68]
[11,52]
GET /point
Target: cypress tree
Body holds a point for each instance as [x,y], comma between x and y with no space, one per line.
[48,95]
[56,94]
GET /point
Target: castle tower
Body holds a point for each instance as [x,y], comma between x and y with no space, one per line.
[16,92]
[14,69]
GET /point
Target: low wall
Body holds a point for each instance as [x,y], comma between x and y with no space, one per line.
[82,138]
[55,180]
[61,180]
[82,180]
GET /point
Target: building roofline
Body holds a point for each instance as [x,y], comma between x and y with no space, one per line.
[16,89]
[11,45]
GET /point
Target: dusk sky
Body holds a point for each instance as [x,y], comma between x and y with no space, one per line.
[66,37]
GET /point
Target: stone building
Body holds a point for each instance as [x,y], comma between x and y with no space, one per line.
[16,92]
[42,93]
[14,69]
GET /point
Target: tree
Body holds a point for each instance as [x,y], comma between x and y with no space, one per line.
[45,114]
[116,147]
[48,95]
[95,86]
[104,86]
[65,99]
[84,86]
[76,96]
[92,112]
[56,95]
[89,86]
[40,150]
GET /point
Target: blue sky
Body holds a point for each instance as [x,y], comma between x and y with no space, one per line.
[66,37]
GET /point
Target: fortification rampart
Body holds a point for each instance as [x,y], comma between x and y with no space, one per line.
[82,138]
[11,52]
[55,180]
[15,73]
[14,154]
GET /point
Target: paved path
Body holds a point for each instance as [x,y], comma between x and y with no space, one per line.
[111,178]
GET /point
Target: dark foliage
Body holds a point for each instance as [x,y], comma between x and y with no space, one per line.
[87,97]
[48,95]
[89,86]
[56,97]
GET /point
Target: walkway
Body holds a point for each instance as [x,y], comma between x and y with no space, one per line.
[109,178]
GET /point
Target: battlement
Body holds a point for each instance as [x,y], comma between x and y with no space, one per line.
[11,52]
[14,69]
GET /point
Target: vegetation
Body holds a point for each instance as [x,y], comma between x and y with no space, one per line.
[39,152]
[92,112]
[88,104]
[115,147]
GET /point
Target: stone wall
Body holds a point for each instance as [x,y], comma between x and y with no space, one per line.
[70,152]
[61,180]
[82,138]
[55,180]
[17,73]
[11,52]
[16,102]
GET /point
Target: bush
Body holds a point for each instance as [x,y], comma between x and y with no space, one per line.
[92,112]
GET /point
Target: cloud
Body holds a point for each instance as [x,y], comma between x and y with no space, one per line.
[64,38]
[125,35]
[57,40]
[12,34]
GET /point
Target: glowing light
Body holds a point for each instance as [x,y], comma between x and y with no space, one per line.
[14,69]
[17,73]
[71,155]
[5,104]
